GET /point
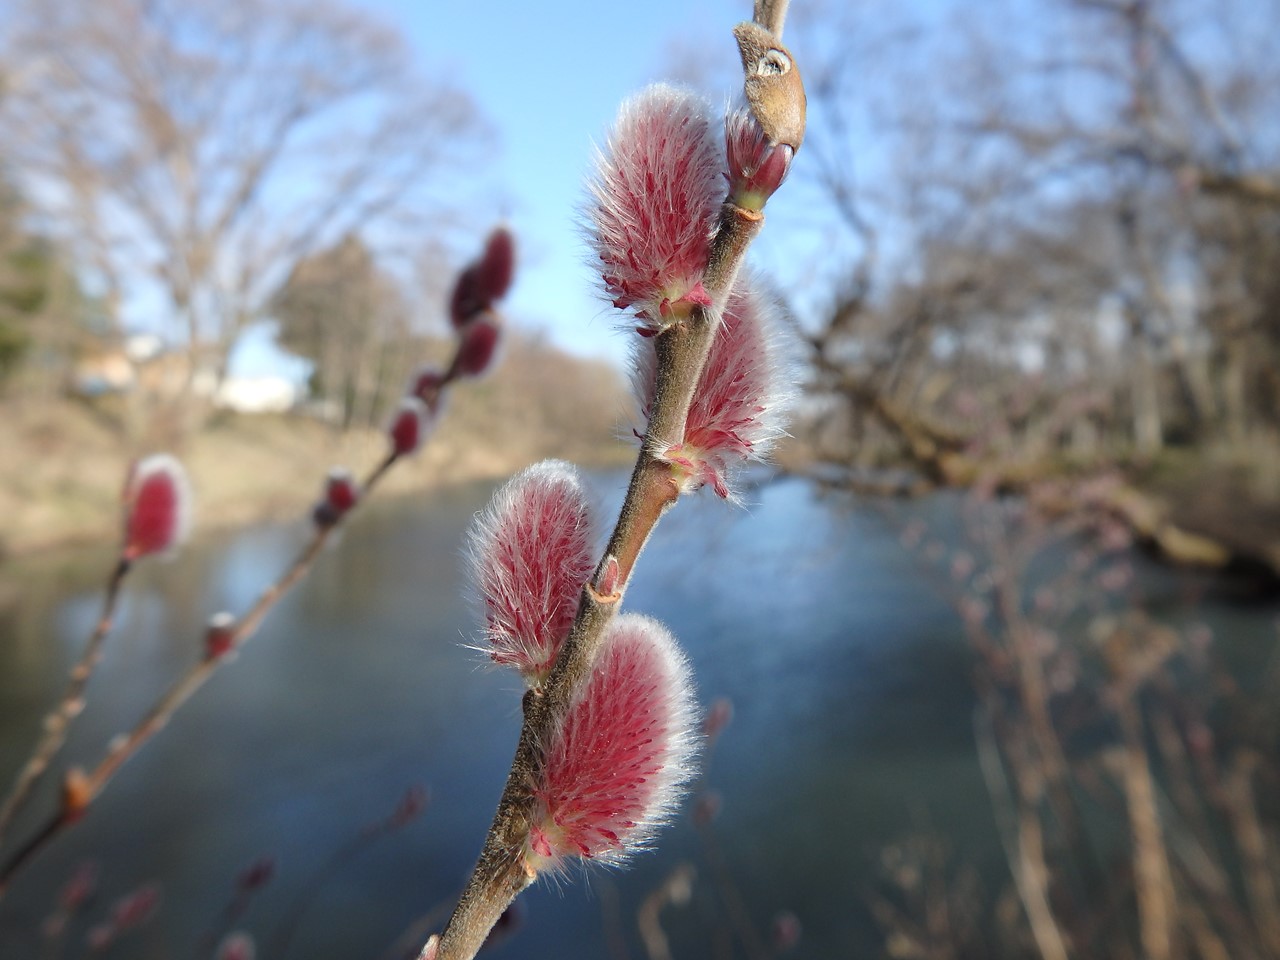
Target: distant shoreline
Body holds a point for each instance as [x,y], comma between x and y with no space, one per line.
[64,467]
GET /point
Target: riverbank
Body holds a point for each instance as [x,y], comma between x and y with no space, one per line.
[64,462]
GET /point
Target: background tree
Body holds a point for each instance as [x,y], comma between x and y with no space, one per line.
[350,319]
[191,151]
[1072,203]
[45,321]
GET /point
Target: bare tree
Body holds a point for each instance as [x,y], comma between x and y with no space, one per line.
[1072,199]
[196,149]
[339,310]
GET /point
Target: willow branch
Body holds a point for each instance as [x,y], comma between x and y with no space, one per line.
[88,786]
[501,874]
[58,722]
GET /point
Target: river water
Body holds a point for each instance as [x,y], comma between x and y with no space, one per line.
[847,668]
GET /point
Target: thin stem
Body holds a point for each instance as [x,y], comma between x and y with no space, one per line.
[501,873]
[771,14]
[287,927]
[1157,902]
[57,723]
[1021,837]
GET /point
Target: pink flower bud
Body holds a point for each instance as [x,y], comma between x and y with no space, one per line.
[409,426]
[340,495]
[756,168]
[530,553]
[476,347]
[157,502]
[237,945]
[497,266]
[609,577]
[654,200]
[742,398]
[219,636]
[614,769]
[486,280]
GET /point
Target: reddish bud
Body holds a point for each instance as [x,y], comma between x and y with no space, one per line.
[707,807]
[756,168]
[609,580]
[236,945]
[219,636]
[614,768]
[476,347]
[719,716]
[82,885]
[135,909]
[785,931]
[497,266]
[340,495]
[530,554]
[431,949]
[256,875]
[409,426]
[654,200]
[411,806]
[485,281]
[157,500]
[741,400]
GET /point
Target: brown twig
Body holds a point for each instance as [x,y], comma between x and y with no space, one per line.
[771,14]
[1251,840]
[675,890]
[1152,879]
[741,923]
[57,723]
[1022,839]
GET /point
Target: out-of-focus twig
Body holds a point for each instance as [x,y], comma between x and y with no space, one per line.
[1152,880]
[57,723]
[675,890]
[1023,844]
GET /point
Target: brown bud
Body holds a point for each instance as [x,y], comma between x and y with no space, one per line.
[76,793]
[771,81]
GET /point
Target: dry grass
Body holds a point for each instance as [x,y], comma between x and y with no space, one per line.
[64,462]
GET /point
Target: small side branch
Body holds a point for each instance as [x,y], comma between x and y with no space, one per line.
[57,723]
